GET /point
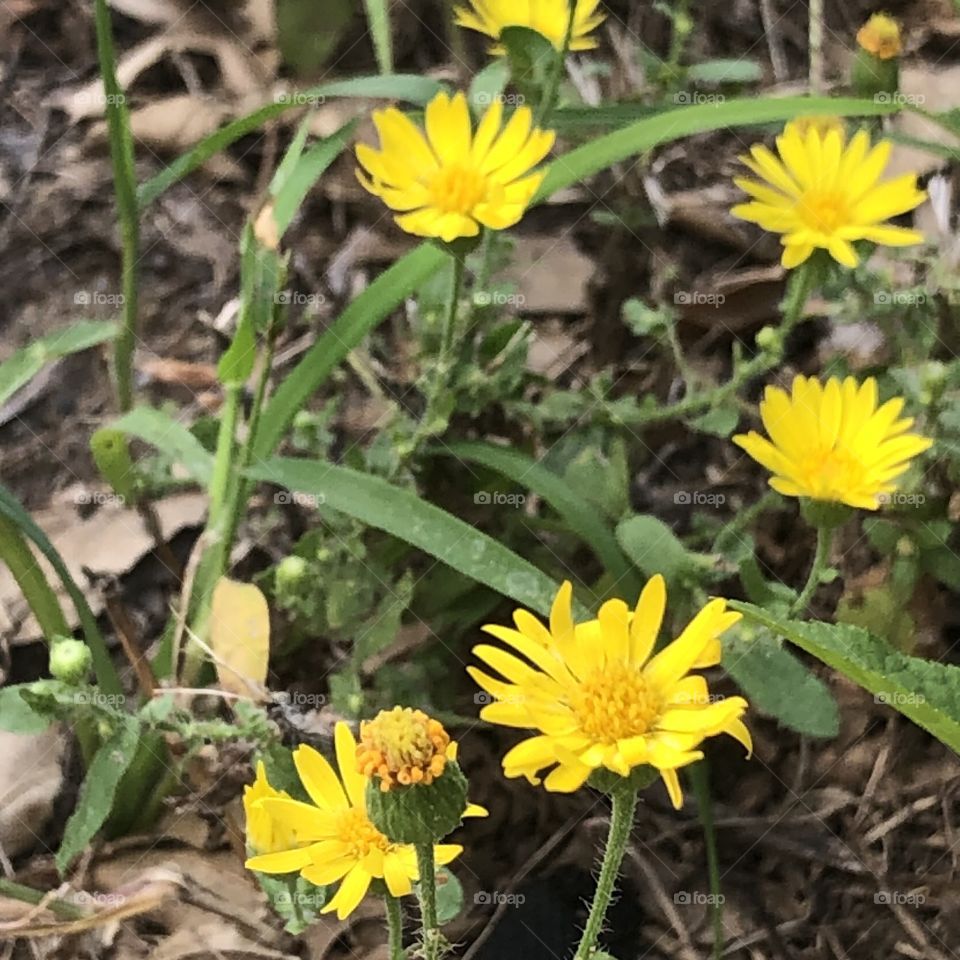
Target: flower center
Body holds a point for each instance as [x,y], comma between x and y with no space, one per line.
[824,212]
[457,189]
[402,746]
[615,702]
[360,835]
[831,470]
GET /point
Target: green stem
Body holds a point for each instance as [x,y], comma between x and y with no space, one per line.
[820,560]
[427,868]
[394,927]
[62,909]
[125,188]
[700,776]
[549,100]
[621,821]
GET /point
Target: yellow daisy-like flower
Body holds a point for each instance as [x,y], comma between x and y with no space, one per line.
[831,442]
[334,838]
[549,18]
[404,746]
[880,35]
[820,193]
[264,834]
[451,181]
[601,698]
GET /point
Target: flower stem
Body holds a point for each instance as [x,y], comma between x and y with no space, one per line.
[621,821]
[427,867]
[820,560]
[549,100]
[700,775]
[394,927]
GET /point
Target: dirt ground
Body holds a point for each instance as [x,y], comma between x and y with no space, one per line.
[845,849]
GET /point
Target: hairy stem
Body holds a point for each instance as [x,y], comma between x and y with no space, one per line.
[394,927]
[820,560]
[427,867]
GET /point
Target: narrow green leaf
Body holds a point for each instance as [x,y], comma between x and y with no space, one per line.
[449,896]
[777,683]
[926,691]
[405,87]
[741,70]
[378,18]
[25,364]
[98,791]
[404,515]
[16,715]
[171,438]
[579,514]
[107,678]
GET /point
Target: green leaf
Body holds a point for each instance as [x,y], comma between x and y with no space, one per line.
[531,55]
[926,691]
[654,547]
[171,438]
[308,32]
[449,896]
[579,515]
[404,515]
[405,87]
[725,71]
[107,678]
[112,457]
[378,19]
[719,421]
[16,715]
[777,683]
[98,791]
[488,85]
[25,364]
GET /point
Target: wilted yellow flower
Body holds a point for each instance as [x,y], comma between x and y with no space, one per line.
[598,697]
[549,18]
[264,835]
[832,442]
[334,838]
[451,181]
[880,35]
[403,746]
[821,194]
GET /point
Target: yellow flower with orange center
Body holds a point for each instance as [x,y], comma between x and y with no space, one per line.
[403,746]
[820,193]
[549,18]
[880,35]
[601,698]
[331,838]
[447,181]
[832,442]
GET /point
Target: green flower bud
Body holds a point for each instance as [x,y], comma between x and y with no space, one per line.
[70,660]
[290,571]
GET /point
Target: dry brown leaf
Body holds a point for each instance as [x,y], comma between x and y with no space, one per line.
[551,275]
[30,779]
[240,637]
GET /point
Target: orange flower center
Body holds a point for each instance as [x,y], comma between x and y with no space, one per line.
[402,746]
[359,834]
[615,702]
[824,212]
[457,189]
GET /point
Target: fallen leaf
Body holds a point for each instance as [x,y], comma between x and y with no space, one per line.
[240,637]
[30,779]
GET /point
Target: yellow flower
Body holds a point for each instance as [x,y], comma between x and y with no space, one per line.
[264,835]
[600,698]
[832,442]
[822,194]
[452,181]
[334,838]
[549,18]
[822,124]
[404,746]
[880,35]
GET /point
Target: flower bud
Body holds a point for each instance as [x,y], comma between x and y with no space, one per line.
[70,660]
[876,69]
